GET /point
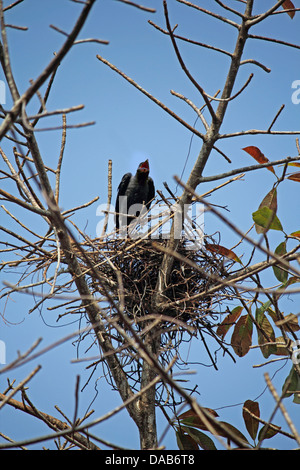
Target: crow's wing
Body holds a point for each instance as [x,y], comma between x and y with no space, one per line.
[151,192]
[121,192]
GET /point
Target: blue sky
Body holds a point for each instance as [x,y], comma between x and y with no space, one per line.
[129,128]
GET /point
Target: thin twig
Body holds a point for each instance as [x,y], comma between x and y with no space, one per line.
[48,70]
[19,386]
[141,7]
[184,68]
[246,169]
[80,41]
[109,194]
[152,98]
[282,407]
[62,148]
[12,5]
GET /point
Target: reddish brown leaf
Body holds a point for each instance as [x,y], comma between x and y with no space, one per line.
[221,250]
[288,5]
[241,339]
[270,201]
[294,177]
[289,322]
[281,350]
[265,332]
[258,156]
[228,321]
[251,408]
[295,234]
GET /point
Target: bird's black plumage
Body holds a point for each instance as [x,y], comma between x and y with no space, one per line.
[138,189]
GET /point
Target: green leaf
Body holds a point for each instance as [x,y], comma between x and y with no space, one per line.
[296,398]
[265,332]
[267,219]
[281,274]
[269,433]
[232,429]
[200,438]
[185,442]
[250,422]
[270,201]
[292,382]
[292,280]
[241,339]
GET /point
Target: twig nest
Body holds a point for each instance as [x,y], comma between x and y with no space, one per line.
[187,295]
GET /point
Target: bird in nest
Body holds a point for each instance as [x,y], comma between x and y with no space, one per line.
[135,192]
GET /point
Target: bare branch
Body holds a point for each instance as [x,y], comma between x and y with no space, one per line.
[183,66]
[282,407]
[274,40]
[236,94]
[152,98]
[258,245]
[49,69]
[12,5]
[109,194]
[19,386]
[190,41]
[54,423]
[80,41]
[276,117]
[210,13]
[255,62]
[245,169]
[263,16]
[141,7]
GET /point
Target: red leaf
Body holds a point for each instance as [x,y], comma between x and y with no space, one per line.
[294,177]
[258,156]
[288,5]
[230,320]
[295,234]
[221,250]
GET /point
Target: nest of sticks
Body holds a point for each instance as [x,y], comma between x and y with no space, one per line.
[194,298]
[129,271]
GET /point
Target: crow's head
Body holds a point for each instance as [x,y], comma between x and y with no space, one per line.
[143,168]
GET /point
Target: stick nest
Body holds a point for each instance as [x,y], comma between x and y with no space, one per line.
[129,271]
